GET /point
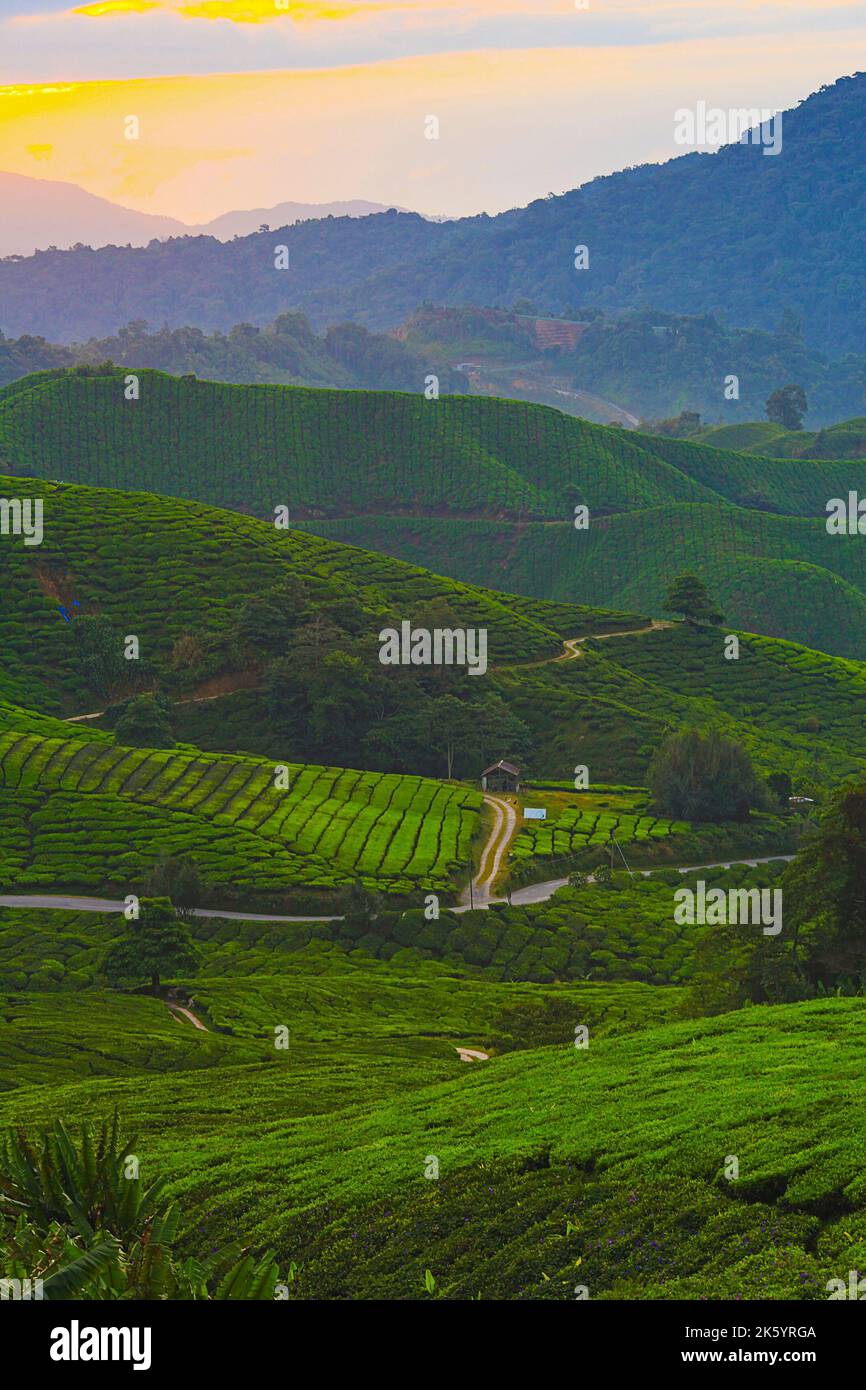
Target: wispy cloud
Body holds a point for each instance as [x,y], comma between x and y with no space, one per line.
[113,7]
[243,11]
[213,142]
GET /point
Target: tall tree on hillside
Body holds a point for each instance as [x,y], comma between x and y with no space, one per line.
[144,723]
[99,652]
[787,406]
[155,944]
[687,595]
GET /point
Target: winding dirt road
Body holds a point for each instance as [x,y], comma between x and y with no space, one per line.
[573,645]
[500,837]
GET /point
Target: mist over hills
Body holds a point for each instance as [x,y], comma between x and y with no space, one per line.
[735,231]
[38,213]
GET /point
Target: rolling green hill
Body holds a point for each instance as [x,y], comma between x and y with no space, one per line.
[629,1200]
[781,576]
[160,569]
[846,440]
[480,489]
[244,666]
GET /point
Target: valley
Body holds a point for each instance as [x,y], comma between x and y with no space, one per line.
[432,670]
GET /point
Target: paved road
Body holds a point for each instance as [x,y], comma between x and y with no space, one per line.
[535,893]
[72,904]
[540,892]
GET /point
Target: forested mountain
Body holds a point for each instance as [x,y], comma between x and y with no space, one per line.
[734,231]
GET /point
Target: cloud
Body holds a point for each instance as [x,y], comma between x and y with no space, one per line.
[514,125]
[118,7]
[243,11]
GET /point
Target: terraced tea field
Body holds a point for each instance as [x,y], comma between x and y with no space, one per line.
[576,829]
[84,812]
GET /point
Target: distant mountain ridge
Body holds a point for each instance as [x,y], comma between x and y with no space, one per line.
[734,233]
[38,213]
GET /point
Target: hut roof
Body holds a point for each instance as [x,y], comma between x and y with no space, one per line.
[502,767]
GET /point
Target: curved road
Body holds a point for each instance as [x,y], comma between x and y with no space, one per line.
[504,827]
[500,837]
[573,645]
[521,897]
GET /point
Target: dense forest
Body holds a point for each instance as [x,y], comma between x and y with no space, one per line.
[286,350]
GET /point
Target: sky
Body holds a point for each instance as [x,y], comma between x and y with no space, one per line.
[247,103]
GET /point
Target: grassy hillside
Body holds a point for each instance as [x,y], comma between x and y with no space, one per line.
[792,707]
[480,489]
[618,933]
[330,452]
[629,1200]
[846,440]
[187,579]
[780,576]
[86,813]
[161,569]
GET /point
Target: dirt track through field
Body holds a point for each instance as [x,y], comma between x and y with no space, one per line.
[500,837]
[573,645]
[177,1010]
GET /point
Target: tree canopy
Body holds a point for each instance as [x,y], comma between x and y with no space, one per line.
[703,777]
[155,944]
[687,595]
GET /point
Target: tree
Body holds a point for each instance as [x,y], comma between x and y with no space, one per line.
[781,787]
[687,595]
[681,426]
[144,723]
[176,879]
[787,406]
[264,621]
[824,900]
[703,777]
[155,944]
[99,650]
